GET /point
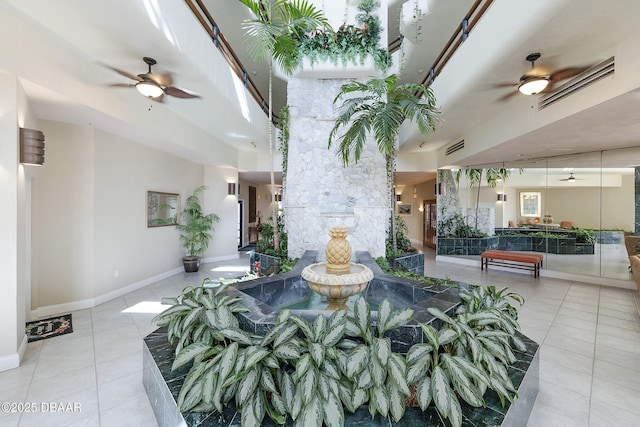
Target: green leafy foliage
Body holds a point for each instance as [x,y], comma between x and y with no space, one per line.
[455,225]
[196,227]
[283,139]
[373,372]
[584,235]
[384,264]
[403,243]
[349,45]
[266,241]
[313,371]
[469,354]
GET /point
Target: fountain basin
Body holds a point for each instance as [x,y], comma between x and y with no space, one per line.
[266,296]
[337,288]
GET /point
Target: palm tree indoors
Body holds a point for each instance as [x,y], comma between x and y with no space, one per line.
[379,107]
[271,36]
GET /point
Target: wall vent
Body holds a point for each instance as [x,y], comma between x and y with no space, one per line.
[590,76]
[455,147]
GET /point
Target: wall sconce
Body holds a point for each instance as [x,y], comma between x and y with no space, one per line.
[31,147]
[502,197]
[415,193]
[439,189]
[231,188]
[398,198]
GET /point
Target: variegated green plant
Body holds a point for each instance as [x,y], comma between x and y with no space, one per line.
[468,354]
[315,383]
[311,371]
[198,314]
[374,374]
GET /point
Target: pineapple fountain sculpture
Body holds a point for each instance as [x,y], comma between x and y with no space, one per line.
[338,278]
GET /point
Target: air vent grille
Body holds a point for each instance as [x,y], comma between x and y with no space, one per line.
[455,147]
[592,75]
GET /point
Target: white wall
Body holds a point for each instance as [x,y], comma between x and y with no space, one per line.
[216,199]
[91,240]
[63,221]
[581,205]
[12,332]
[123,173]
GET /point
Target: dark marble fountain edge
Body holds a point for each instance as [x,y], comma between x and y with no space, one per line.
[261,315]
[163,385]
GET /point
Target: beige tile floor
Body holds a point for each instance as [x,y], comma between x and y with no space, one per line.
[589,336]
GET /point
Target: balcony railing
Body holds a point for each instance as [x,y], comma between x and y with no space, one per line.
[219,40]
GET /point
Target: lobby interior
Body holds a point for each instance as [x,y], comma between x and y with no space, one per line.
[74,231]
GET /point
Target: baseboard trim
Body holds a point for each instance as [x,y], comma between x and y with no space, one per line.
[12,361]
[52,310]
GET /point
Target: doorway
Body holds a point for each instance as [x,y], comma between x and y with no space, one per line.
[240,222]
[430,224]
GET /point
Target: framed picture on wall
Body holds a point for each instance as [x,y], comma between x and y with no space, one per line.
[162,209]
[405,209]
[530,203]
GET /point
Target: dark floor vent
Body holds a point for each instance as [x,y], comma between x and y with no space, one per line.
[592,75]
[455,147]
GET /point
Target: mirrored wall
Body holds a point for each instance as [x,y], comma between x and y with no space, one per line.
[576,209]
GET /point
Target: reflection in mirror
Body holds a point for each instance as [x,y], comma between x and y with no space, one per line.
[162,209]
[575,209]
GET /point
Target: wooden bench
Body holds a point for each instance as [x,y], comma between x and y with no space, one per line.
[520,260]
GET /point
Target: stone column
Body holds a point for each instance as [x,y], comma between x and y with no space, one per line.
[320,192]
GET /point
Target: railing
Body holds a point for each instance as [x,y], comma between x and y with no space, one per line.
[457,38]
[219,40]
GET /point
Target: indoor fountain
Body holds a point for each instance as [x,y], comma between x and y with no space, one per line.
[337,279]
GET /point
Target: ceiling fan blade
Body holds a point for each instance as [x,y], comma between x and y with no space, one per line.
[508,95]
[164,79]
[123,73]
[122,85]
[179,93]
[503,85]
[567,73]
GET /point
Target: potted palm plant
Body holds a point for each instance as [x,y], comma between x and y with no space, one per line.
[195,230]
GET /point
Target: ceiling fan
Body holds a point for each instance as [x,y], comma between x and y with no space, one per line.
[570,179]
[153,85]
[534,82]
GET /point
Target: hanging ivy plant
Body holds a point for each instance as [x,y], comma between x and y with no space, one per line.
[350,44]
[283,138]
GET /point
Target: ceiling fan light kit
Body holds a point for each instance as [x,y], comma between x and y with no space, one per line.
[153,85]
[533,85]
[534,82]
[149,89]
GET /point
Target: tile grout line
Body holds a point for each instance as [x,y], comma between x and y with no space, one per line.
[593,363]
[33,374]
[95,364]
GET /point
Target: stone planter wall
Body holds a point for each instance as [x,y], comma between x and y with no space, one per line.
[610,237]
[412,262]
[550,245]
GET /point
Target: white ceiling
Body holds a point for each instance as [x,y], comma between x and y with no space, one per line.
[120,32]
